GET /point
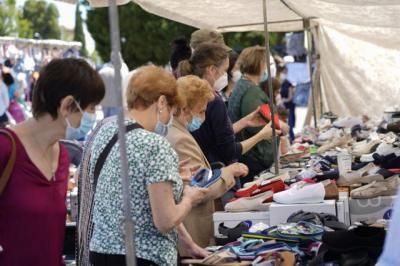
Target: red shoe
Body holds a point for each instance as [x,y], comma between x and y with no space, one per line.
[246,192]
[265,112]
[276,186]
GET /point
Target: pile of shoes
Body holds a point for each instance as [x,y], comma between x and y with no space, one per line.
[360,246]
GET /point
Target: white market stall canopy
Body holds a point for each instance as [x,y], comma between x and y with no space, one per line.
[283,15]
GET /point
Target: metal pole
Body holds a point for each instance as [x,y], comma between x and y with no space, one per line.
[307,34]
[116,60]
[271,93]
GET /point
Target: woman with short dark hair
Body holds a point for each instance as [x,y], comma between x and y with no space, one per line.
[32,202]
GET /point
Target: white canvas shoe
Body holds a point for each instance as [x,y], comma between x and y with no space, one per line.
[301,193]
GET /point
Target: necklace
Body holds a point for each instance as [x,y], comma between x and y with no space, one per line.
[49,162]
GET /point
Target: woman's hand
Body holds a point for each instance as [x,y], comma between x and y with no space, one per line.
[186,171]
[195,251]
[196,195]
[266,131]
[238,169]
[254,119]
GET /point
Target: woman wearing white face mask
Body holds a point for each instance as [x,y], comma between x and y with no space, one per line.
[87,123]
[159,200]
[194,94]
[34,165]
[216,136]
[232,76]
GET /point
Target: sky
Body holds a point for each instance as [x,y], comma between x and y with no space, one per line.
[67,20]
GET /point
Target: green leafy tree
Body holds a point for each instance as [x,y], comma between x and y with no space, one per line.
[43,17]
[145,37]
[79,35]
[8,24]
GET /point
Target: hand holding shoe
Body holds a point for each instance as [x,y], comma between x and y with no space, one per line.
[266,131]
[196,195]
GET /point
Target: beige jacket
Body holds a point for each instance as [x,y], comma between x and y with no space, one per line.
[199,221]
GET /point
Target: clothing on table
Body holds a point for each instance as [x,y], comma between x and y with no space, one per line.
[199,221]
[151,160]
[216,137]
[33,211]
[86,189]
[286,93]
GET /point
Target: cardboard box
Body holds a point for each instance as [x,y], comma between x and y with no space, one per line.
[231,219]
[279,213]
[371,210]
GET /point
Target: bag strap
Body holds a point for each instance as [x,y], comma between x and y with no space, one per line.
[104,154]
[5,176]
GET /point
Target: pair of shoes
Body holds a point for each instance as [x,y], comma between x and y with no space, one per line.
[258,202]
[387,187]
[301,193]
[365,148]
[362,175]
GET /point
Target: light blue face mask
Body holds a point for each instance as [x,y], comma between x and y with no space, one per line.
[161,128]
[87,122]
[195,124]
[264,77]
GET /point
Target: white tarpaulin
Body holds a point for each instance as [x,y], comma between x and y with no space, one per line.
[359,68]
[358,61]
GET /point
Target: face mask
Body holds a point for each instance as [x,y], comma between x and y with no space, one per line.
[86,124]
[236,75]
[195,124]
[161,128]
[264,76]
[221,82]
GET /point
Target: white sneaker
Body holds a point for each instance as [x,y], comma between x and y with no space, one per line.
[301,193]
[366,148]
[383,150]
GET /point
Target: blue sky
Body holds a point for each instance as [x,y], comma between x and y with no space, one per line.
[67,19]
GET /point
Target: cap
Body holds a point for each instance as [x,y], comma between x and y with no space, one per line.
[205,35]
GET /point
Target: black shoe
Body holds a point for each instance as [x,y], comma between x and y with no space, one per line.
[366,238]
[234,233]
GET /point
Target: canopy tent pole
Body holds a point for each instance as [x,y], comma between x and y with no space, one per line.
[308,36]
[271,93]
[116,60]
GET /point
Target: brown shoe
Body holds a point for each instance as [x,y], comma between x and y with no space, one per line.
[331,190]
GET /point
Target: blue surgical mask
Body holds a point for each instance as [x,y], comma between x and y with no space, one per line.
[195,124]
[86,124]
[264,77]
[161,128]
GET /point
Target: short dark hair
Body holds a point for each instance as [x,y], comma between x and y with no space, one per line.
[64,77]
[7,78]
[180,51]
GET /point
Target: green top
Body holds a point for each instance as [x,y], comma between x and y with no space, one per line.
[252,97]
[151,159]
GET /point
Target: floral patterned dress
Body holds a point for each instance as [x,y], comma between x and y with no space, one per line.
[151,159]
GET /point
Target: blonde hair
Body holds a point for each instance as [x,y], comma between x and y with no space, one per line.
[148,84]
[206,54]
[251,59]
[193,90]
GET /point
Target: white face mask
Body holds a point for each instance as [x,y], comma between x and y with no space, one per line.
[221,82]
[236,76]
[273,70]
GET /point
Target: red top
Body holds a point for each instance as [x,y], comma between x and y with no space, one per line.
[32,210]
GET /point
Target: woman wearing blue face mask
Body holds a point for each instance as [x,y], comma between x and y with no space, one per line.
[159,199]
[87,122]
[194,95]
[34,166]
